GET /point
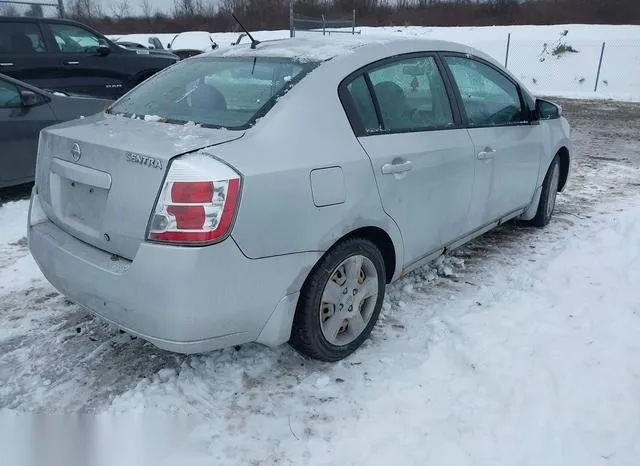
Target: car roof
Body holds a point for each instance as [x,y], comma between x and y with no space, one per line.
[306,49]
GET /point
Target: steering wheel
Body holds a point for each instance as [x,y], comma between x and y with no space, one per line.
[504,115]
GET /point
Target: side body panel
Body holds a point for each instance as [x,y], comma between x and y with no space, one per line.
[19,131]
[514,167]
[430,202]
[277,213]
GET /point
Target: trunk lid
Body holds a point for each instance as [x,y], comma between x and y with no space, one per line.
[98,178]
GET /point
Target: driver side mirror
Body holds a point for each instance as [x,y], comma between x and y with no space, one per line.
[546,110]
[103,50]
[29,98]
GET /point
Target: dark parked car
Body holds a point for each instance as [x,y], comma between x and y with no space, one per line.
[68,56]
[24,111]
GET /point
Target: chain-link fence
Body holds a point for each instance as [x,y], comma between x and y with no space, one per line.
[322,25]
[570,66]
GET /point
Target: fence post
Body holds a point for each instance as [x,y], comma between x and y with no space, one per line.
[353,24]
[599,67]
[292,31]
[506,58]
[61,11]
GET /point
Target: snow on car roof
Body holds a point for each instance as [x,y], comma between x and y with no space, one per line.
[193,40]
[326,48]
[303,49]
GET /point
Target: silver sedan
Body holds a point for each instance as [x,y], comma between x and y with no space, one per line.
[268,193]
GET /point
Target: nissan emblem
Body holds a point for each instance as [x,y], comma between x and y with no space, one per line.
[76,153]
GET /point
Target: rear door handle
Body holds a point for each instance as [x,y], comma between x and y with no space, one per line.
[487,153]
[6,64]
[72,63]
[393,168]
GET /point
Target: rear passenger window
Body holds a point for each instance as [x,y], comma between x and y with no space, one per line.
[488,96]
[21,38]
[361,98]
[412,96]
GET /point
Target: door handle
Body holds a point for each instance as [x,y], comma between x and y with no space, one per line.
[72,63]
[487,153]
[393,168]
[7,64]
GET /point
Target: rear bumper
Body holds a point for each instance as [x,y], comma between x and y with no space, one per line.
[187,300]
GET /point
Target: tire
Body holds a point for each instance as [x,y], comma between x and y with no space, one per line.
[547,203]
[331,323]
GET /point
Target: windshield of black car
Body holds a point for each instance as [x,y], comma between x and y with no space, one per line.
[213,91]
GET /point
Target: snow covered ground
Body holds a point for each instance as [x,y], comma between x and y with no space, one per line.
[521,348]
[570,74]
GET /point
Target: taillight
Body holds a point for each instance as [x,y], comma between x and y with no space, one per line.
[197,203]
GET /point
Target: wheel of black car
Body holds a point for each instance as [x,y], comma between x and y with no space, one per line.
[340,301]
[547,203]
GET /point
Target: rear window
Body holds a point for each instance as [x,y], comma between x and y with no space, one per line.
[214,92]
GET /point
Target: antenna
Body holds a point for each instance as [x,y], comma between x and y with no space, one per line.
[254,42]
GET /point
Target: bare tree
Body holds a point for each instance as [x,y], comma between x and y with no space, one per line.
[147,9]
[230,6]
[35,10]
[9,10]
[120,9]
[84,8]
[188,8]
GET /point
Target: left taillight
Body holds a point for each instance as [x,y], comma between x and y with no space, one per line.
[197,203]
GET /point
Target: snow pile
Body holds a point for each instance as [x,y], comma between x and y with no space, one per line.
[540,364]
[17,268]
[193,40]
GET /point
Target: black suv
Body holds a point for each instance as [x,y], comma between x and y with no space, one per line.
[65,55]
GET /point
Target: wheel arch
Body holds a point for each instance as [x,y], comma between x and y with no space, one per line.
[565,163]
[278,327]
[383,242]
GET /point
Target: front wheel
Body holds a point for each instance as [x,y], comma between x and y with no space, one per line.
[340,301]
[547,203]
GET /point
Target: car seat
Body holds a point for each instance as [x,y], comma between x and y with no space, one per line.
[20,43]
[393,105]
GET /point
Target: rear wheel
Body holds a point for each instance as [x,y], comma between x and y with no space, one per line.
[547,203]
[340,301]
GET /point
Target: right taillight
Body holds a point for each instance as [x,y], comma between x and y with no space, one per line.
[197,203]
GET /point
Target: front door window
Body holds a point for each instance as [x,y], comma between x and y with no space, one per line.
[73,39]
[488,96]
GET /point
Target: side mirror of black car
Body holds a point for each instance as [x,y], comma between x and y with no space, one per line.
[103,50]
[546,110]
[29,98]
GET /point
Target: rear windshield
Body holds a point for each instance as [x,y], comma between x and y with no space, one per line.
[214,92]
